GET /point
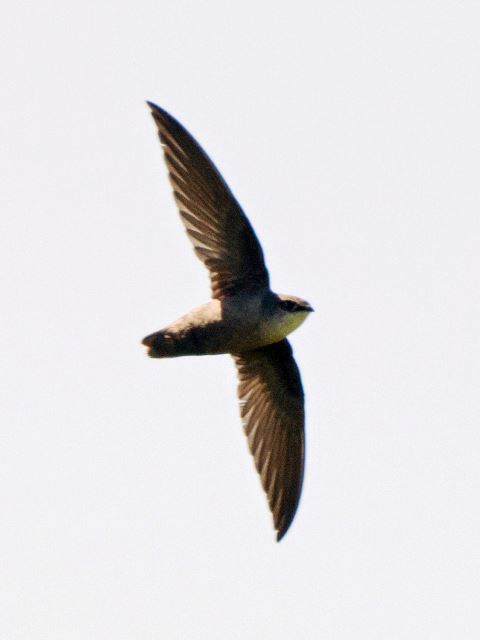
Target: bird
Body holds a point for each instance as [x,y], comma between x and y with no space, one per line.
[244,318]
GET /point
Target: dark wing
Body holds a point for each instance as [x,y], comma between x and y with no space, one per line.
[221,234]
[271,406]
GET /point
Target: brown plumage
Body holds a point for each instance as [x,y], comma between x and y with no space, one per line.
[221,234]
[271,406]
[244,318]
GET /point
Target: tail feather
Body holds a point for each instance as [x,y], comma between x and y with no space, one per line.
[159,345]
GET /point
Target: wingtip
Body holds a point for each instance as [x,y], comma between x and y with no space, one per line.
[281,533]
[284,527]
[152,105]
[160,115]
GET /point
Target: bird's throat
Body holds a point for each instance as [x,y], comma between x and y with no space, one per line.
[277,329]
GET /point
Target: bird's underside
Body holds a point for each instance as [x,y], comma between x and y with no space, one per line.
[270,388]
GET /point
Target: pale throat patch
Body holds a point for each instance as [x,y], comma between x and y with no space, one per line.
[284,325]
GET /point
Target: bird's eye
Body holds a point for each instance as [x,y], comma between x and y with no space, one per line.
[288,305]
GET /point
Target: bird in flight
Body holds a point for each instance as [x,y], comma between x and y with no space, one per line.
[244,318]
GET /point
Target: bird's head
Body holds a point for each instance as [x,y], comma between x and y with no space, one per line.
[292,304]
[290,312]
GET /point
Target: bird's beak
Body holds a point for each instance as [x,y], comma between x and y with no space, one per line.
[309,308]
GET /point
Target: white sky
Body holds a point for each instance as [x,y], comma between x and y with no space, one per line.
[130,507]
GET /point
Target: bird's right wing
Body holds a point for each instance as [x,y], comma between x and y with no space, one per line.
[221,234]
[272,410]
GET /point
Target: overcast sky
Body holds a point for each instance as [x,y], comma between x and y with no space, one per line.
[350,134]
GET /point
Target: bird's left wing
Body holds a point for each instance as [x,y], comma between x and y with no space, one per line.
[220,232]
[272,410]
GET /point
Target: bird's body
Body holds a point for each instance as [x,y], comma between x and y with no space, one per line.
[244,318]
[239,323]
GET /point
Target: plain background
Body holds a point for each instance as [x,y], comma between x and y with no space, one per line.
[129,504]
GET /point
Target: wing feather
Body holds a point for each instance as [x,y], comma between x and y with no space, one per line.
[220,232]
[272,411]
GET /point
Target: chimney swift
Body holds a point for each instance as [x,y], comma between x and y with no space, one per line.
[244,318]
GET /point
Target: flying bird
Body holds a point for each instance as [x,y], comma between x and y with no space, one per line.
[244,318]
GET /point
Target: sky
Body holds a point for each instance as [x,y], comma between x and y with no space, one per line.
[349,132]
